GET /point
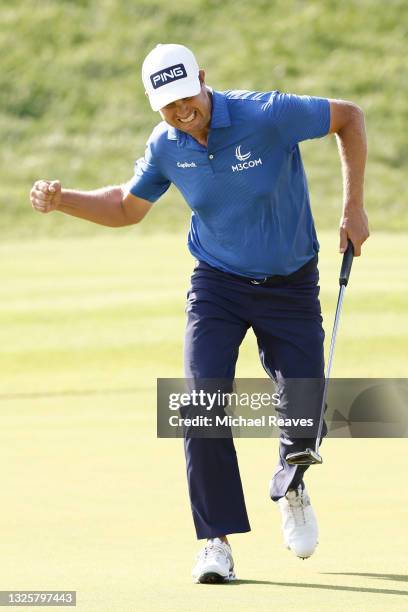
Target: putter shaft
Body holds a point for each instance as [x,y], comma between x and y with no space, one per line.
[329,365]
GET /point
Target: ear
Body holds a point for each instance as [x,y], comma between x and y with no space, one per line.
[201,76]
[146,94]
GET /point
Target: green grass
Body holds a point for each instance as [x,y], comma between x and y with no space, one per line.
[73,105]
[93,501]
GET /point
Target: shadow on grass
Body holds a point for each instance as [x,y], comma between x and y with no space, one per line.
[394,577]
[327,587]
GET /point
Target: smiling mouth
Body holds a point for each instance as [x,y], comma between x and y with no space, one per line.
[188,119]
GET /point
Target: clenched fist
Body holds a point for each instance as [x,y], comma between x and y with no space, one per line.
[45,196]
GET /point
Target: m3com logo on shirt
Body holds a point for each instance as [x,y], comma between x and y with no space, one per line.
[239,155]
[243,157]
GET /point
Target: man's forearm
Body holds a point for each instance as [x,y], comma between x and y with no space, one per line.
[352,145]
[103,206]
[347,122]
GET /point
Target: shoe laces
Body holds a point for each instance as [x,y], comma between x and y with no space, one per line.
[214,550]
[297,508]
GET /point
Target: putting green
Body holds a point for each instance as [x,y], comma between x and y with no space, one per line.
[92,501]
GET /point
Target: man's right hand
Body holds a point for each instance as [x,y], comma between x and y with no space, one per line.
[111,206]
[45,196]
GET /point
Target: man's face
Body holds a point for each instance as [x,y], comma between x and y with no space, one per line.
[190,114]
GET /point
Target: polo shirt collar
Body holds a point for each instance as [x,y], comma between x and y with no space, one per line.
[220,116]
[173,133]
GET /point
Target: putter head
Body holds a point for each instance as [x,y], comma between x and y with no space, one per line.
[306,457]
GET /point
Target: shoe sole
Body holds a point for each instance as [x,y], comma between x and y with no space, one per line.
[214,578]
[298,556]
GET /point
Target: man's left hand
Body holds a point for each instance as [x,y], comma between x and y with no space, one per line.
[353,226]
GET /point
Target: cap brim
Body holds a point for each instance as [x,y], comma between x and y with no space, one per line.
[174,91]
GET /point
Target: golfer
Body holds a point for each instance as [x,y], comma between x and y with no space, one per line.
[234,156]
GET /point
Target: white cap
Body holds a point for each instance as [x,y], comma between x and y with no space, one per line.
[170,72]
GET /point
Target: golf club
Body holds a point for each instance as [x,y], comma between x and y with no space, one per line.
[310,456]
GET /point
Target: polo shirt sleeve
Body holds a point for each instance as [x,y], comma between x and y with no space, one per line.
[299,118]
[148,181]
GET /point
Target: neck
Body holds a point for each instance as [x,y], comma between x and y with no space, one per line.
[202,136]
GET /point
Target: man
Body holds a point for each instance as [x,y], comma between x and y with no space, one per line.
[235,158]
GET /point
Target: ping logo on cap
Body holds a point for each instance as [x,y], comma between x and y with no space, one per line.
[168,75]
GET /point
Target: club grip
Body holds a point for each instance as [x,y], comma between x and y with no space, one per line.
[347,263]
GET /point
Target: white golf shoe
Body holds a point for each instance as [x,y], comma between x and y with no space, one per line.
[214,563]
[299,524]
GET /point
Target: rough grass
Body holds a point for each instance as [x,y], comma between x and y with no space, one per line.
[73,106]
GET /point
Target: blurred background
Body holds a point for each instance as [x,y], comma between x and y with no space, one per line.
[90,316]
[73,107]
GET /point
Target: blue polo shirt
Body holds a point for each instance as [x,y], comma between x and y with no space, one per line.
[247,189]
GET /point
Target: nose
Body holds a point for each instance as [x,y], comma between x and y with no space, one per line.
[182,108]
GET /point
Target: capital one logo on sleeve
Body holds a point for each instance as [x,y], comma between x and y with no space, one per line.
[168,75]
[243,158]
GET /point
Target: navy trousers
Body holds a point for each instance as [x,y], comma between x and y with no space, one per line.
[286,319]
